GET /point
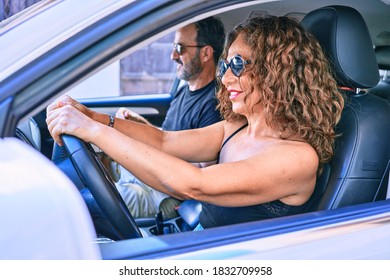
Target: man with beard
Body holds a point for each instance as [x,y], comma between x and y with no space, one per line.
[196,50]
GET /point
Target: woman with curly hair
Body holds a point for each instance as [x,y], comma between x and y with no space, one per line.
[280,105]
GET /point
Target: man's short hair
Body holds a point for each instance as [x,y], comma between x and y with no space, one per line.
[211,32]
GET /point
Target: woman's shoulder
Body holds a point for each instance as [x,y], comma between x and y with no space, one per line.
[295,146]
[300,151]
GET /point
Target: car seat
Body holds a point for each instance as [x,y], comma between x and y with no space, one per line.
[362,150]
[382,89]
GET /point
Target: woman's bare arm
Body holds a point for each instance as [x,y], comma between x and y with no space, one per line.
[274,174]
[265,175]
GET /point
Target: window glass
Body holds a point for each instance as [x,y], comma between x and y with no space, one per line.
[385,75]
[149,70]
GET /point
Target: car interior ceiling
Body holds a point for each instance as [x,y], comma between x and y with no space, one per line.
[360,166]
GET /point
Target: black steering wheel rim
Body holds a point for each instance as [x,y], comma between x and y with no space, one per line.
[101,186]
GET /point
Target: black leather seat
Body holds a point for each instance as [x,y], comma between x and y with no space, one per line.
[363,150]
[382,89]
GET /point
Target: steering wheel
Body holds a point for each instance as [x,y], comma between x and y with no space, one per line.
[101,186]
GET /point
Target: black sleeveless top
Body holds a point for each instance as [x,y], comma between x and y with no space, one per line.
[214,216]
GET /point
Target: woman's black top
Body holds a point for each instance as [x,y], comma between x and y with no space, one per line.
[213,216]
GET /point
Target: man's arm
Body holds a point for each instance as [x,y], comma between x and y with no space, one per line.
[124,113]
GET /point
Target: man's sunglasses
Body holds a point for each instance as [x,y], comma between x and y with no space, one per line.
[236,64]
[180,49]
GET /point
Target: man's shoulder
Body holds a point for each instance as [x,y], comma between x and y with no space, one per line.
[211,86]
[181,89]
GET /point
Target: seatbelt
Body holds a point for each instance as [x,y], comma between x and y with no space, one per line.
[388,186]
[383,191]
[386,175]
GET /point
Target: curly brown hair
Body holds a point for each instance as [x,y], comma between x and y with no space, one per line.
[298,91]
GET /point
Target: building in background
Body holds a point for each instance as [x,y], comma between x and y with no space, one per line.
[11,7]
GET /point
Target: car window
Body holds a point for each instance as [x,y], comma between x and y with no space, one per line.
[149,70]
[384,75]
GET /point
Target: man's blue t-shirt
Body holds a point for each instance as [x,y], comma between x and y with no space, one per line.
[192,109]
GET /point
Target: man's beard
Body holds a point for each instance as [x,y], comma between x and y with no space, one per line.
[191,70]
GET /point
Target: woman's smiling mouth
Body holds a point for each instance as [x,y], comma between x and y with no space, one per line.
[234,94]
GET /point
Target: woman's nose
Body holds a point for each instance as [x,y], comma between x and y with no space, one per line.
[228,77]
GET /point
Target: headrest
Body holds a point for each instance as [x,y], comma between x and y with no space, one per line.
[383,57]
[344,37]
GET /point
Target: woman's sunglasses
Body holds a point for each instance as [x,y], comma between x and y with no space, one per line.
[236,64]
[180,49]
